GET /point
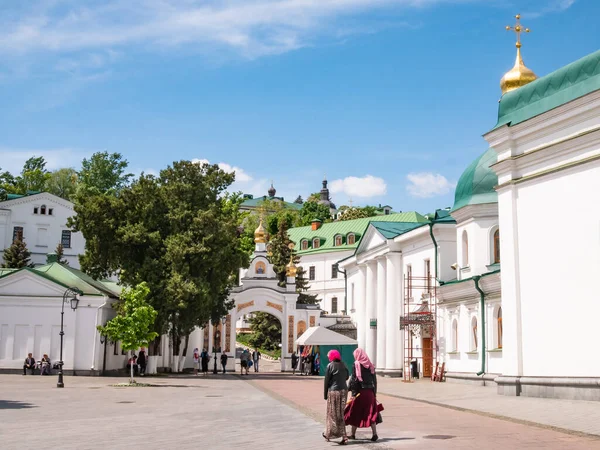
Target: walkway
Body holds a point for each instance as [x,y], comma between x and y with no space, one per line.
[574,415]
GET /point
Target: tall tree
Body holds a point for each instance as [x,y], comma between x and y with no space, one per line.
[17,256]
[134,323]
[8,184]
[266,331]
[63,183]
[302,287]
[178,232]
[311,211]
[34,175]
[104,173]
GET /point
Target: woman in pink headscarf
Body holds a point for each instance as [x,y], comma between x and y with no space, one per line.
[363,410]
[336,393]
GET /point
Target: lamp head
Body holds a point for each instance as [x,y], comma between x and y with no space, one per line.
[454,266]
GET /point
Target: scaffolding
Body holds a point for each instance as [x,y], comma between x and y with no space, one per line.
[418,320]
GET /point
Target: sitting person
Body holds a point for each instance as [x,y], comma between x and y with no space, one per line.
[132,361]
[29,364]
[45,366]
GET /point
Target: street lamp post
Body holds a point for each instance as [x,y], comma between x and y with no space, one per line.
[215,348]
[71,296]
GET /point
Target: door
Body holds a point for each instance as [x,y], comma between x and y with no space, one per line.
[427,357]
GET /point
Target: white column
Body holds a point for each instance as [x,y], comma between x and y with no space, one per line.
[381,313]
[393,336]
[360,304]
[371,310]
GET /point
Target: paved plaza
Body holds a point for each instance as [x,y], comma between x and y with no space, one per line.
[270,411]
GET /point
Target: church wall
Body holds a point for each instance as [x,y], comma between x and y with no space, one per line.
[557,265]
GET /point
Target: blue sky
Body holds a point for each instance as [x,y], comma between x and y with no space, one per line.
[387,98]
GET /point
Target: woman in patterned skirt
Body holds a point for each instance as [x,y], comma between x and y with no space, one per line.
[336,393]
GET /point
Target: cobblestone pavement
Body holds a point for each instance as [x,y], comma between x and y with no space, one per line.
[216,412]
[415,425]
[268,411]
[575,415]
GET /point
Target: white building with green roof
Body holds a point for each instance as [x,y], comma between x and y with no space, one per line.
[30,316]
[322,246]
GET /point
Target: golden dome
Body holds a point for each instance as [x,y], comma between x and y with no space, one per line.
[260,235]
[291,270]
[519,75]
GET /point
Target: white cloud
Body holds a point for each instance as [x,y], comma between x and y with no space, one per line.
[250,28]
[354,187]
[240,175]
[428,184]
[13,159]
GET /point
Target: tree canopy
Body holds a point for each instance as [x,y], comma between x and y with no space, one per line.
[357,213]
[17,256]
[178,232]
[104,173]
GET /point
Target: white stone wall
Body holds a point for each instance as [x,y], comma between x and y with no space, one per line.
[41,232]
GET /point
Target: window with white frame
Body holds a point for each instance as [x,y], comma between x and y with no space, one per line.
[334,270]
[311,273]
[316,243]
[409,284]
[498,327]
[465,249]
[496,247]
[338,241]
[65,238]
[334,305]
[474,336]
[455,335]
[43,209]
[18,234]
[351,239]
[304,244]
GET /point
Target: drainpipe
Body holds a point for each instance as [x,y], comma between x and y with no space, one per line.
[97,333]
[435,247]
[345,290]
[482,308]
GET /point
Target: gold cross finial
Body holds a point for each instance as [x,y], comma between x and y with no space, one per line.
[518,29]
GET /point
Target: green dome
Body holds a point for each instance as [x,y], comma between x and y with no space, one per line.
[476,184]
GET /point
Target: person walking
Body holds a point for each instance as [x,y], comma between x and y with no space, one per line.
[336,393]
[224,361]
[363,410]
[244,361]
[294,363]
[204,357]
[29,364]
[255,357]
[142,361]
[196,361]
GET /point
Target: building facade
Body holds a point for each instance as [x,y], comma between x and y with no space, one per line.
[40,220]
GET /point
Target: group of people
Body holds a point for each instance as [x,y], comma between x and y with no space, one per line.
[247,361]
[139,362]
[203,358]
[309,364]
[362,410]
[31,365]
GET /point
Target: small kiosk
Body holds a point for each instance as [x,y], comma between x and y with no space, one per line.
[320,340]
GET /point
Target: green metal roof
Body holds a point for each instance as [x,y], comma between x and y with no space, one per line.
[328,231]
[255,202]
[476,184]
[68,277]
[390,230]
[555,89]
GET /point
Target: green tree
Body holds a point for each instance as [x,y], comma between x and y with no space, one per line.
[178,232]
[357,213]
[60,253]
[133,325]
[8,184]
[302,287]
[314,197]
[311,211]
[104,173]
[63,183]
[34,176]
[17,256]
[266,331]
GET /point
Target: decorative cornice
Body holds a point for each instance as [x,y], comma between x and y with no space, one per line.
[481,211]
[36,197]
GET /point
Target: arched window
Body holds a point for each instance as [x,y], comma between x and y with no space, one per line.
[43,209]
[499,324]
[497,247]
[304,244]
[465,249]
[261,268]
[338,241]
[454,335]
[474,340]
[316,243]
[351,239]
